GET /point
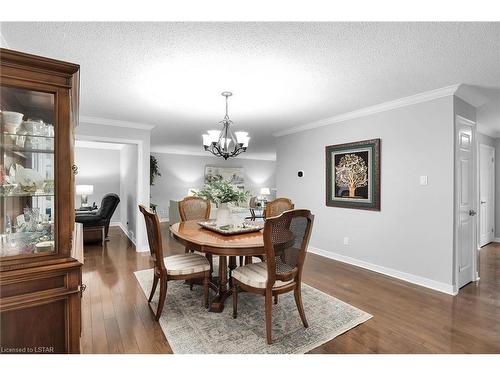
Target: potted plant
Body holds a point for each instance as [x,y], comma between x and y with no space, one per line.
[222,192]
[154,170]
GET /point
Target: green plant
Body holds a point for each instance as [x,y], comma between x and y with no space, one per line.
[154,170]
[219,191]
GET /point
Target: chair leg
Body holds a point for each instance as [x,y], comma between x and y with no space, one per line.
[241,261]
[163,295]
[275,299]
[153,289]
[298,301]
[205,290]
[235,299]
[186,250]
[269,316]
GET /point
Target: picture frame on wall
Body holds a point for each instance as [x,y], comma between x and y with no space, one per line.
[235,175]
[353,175]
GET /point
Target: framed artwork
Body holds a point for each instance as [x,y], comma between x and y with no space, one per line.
[235,175]
[353,175]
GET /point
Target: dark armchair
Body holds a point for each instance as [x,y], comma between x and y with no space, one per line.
[102,217]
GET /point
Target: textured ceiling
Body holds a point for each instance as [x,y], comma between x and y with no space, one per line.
[282,74]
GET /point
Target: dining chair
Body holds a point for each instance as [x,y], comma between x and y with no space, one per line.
[277,207]
[286,238]
[195,208]
[175,267]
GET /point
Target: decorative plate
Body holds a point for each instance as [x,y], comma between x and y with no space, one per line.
[246,227]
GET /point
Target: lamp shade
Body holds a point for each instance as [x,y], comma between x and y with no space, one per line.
[265,191]
[84,189]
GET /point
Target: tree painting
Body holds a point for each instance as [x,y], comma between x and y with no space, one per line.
[351,172]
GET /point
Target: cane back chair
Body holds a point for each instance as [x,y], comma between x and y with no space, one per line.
[175,267]
[286,238]
[277,207]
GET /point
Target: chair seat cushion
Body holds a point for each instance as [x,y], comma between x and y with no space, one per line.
[185,264]
[255,275]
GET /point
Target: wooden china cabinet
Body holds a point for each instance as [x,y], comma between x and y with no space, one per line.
[40,264]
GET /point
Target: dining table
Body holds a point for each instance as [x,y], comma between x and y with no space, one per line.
[227,247]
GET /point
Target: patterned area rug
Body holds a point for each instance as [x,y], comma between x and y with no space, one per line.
[191,329]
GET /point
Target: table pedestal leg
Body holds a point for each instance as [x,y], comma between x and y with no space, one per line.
[217,304]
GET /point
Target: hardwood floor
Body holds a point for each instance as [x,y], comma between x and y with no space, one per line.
[407,318]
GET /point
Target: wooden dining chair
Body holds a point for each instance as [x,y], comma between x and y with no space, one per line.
[175,267]
[194,208]
[277,207]
[286,238]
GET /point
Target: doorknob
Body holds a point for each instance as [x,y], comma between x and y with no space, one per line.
[483,202]
[472,213]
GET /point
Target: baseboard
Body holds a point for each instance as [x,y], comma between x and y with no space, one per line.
[414,279]
[114,224]
[163,220]
[124,230]
[496,239]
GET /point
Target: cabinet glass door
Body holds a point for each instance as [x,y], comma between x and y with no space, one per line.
[27,201]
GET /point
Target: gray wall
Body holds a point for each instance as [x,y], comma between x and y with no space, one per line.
[128,189]
[100,168]
[181,172]
[413,232]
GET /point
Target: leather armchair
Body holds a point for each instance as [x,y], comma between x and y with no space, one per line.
[103,216]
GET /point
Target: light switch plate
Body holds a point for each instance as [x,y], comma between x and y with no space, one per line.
[423,180]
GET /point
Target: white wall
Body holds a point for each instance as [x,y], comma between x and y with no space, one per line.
[412,236]
[181,172]
[100,168]
[128,175]
[126,135]
[497,189]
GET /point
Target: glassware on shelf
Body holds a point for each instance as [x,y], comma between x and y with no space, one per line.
[27,161]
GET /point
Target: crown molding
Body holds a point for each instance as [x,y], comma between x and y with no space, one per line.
[484,130]
[471,95]
[174,151]
[98,145]
[112,122]
[393,104]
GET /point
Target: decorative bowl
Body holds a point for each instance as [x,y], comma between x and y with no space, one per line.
[13,118]
[44,247]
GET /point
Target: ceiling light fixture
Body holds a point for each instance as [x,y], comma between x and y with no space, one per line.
[225,143]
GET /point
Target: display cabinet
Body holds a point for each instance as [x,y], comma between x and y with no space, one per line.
[40,270]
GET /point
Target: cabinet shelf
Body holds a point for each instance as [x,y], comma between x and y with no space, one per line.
[21,150]
[24,194]
[14,135]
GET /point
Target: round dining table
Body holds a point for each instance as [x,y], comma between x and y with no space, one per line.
[226,247]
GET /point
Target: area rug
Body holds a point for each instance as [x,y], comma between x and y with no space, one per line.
[191,329]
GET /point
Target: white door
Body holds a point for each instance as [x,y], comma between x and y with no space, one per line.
[486,194]
[465,207]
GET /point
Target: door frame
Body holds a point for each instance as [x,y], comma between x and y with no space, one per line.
[474,173]
[479,192]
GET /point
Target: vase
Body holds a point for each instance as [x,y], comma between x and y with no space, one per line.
[223,216]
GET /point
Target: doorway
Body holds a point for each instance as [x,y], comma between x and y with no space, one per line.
[486,194]
[465,202]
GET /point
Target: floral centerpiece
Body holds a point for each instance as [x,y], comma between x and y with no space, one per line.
[222,192]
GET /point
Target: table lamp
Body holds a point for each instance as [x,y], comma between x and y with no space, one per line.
[84,191]
[264,191]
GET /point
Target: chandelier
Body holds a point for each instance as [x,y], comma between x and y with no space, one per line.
[225,143]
